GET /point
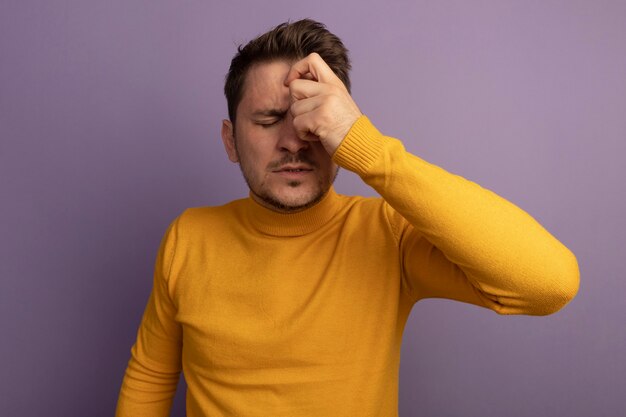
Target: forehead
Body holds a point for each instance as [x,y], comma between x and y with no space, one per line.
[264,87]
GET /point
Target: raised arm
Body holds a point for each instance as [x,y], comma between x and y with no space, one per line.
[458,239]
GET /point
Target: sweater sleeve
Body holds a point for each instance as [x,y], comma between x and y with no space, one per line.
[457,239]
[154,368]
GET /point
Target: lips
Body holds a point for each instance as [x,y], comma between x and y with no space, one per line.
[294,168]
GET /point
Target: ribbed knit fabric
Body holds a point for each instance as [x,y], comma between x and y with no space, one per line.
[302,314]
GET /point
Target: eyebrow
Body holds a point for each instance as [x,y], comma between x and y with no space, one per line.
[270,113]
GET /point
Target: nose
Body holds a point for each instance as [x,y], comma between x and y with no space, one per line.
[289,140]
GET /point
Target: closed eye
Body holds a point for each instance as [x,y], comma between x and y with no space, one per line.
[268,118]
[268,123]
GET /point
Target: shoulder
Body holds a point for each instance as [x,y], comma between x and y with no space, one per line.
[372,210]
[357,204]
[196,220]
[203,214]
[375,212]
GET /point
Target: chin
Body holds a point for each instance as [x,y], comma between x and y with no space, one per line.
[300,200]
[292,200]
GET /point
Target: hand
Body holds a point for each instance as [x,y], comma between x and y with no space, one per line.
[322,108]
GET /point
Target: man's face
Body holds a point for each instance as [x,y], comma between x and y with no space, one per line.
[284,172]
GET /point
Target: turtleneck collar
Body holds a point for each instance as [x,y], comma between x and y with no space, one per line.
[300,223]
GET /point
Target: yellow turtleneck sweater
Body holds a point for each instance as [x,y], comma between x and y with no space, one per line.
[298,315]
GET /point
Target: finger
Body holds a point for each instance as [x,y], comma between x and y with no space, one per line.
[305,125]
[314,66]
[307,105]
[301,89]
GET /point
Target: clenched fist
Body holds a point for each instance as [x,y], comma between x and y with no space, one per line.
[321,107]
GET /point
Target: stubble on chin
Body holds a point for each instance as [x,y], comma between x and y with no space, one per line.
[277,203]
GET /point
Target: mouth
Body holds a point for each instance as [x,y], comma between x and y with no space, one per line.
[293,172]
[293,169]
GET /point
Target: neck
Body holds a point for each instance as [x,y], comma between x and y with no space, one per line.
[270,220]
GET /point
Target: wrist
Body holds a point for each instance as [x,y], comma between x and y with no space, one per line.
[360,148]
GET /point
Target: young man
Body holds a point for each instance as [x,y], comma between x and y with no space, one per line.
[292,302]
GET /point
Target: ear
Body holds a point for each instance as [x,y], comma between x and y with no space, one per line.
[228,137]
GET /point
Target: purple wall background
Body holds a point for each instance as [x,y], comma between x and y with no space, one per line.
[109,127]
